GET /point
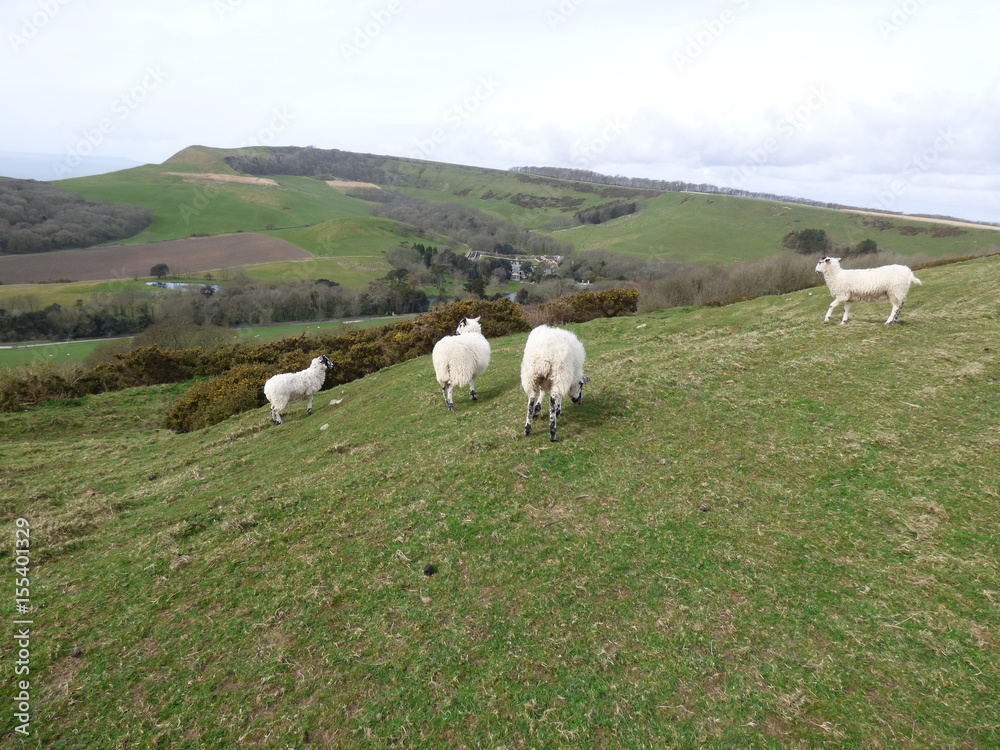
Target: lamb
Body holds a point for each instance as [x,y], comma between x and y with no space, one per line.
[866,285]
[553,363]
[280,389]
[460,359]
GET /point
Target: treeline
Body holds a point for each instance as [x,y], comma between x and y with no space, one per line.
[478,230]
[239,302]
[668,186]
[606,212]
[37,216]
[321,163]
[808,241]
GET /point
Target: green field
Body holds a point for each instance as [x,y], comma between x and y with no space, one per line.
[698,228]
[757,531]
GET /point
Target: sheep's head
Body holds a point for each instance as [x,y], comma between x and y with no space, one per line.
[577,397]
[825,263]
[469,325]
[324,360]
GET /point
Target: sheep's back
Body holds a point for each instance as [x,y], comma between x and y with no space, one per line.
[460,358]
[553,361]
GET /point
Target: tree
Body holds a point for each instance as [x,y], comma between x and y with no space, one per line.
[476,286]
[160,270]
[865,247]
[806,241]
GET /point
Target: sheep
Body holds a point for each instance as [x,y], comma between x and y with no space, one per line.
[460,359]
[866,285]
[282,388]
[553,363]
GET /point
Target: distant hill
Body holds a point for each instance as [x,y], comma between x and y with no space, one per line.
[196,193]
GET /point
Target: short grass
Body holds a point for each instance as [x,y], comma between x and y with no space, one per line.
[706,229]
[756,531]
[182,208]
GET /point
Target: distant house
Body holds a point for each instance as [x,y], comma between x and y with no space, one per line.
[515,270]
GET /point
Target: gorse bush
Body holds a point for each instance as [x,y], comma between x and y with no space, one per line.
[240,371]
[584,306]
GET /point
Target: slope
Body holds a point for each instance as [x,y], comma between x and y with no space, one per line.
[756,531]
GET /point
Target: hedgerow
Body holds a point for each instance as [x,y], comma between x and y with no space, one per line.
[241,371]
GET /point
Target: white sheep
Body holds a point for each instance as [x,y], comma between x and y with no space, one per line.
[282,388]
[866,285]
[460,359]
[552,363]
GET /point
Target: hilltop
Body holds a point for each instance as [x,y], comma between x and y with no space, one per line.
[756,531]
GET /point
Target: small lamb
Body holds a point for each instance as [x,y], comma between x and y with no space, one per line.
[866,285]
[460,359]
[280,389]
[553,363]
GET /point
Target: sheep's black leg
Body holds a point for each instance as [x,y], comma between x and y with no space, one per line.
[555,408]
[447,396]
[531,415]
[472,389]
[309,406]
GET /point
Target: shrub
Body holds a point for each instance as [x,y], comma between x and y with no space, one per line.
[211,401]
[587,305]
[36,383]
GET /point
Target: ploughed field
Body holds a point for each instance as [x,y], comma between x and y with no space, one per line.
[129,261]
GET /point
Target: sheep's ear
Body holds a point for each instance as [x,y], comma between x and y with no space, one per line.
[476,319]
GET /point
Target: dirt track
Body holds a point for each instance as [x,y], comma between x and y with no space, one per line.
[131,261]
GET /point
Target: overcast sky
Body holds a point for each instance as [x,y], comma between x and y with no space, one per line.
[891,104]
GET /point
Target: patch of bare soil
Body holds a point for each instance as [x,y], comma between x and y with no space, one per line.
[213,177]
[343,185]
[135,261]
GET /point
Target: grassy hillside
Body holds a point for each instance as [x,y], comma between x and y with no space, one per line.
[756,531]
[698,228]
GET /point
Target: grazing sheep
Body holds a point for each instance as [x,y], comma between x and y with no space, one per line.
[553,363]
[866,285]
[280,389]
[460,359]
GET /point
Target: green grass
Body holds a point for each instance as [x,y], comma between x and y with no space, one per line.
[182,208]
[697,228]
[756,531]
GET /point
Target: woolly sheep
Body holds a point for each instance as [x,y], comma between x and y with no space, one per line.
[866,285]
[460,359]
[280,389]
[553,363]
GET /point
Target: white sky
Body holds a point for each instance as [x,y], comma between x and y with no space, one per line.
[890,104]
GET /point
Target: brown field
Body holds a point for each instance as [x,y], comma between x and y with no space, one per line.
[135,261]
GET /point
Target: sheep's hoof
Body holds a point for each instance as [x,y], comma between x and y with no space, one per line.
[527,430]
[451,407]
[473,395]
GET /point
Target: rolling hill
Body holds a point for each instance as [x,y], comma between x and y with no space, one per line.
[756,531]
[197,194]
